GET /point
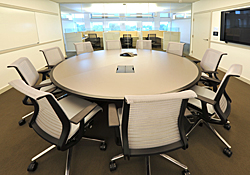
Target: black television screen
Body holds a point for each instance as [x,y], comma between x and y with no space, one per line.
[235,26]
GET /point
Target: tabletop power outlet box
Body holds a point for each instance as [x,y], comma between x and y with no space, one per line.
[125,69]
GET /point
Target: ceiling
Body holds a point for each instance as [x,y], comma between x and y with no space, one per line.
[125,7]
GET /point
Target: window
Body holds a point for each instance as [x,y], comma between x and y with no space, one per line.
[164,25]
[96,26]
[131,26]
[146,26]
[139,15]
[104,15]
[164,15]
[114,26]
[80,27]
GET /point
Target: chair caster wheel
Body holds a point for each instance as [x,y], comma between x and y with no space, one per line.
[112,166]
[227,152]
[21,122]
[32,166]
[186,172]
[227,126]
[103,146]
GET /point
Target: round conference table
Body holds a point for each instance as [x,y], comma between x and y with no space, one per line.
[97,75]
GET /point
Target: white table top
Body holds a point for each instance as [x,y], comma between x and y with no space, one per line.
[94,74]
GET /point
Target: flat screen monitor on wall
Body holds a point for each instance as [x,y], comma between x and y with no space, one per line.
[235,26]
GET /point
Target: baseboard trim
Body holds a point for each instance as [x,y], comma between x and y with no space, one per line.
[6,88]
[245,80]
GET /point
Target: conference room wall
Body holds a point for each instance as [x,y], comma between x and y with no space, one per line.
[42,7]
[237,53]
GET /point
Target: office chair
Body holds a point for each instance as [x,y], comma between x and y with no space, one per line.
[214,107]
[113,44]
[209,64]
[83,47]
[95,41]
[151,124]
[155,42]
[127,41]
[61,123]
[175,48]
[144,44]
[30,76]
[53,56]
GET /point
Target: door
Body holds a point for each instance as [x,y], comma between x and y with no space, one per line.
[201,34]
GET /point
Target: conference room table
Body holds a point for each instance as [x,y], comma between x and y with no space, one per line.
[105,75]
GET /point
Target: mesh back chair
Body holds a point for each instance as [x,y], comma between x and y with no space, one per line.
[113,44]
[61,123]
[155,41]
[144,44]
[95,41]
[30,76]
[151,124]
[53,56]
[214,107]
[175,48]
[127,40]
[209,64]
[83,47]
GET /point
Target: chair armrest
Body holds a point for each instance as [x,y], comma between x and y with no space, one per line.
[213,80]
[41,85]
[196,61]
[44,71]
[209,72]
[113,117]
[82,114]
[206,100]
[50,66]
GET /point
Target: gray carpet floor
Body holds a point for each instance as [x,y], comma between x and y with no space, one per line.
[203,157]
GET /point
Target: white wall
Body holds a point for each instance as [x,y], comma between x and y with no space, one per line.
[184,26]
[46,12]
[237,53]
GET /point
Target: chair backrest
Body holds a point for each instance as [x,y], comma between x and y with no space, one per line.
[92,35]
[26,70]
[83,47]
[113,44]
[211,59]
[126,35]
[175,48]
[154,121]
[144,44]
[222,107]
[49,119]
[53,55]
[151,36]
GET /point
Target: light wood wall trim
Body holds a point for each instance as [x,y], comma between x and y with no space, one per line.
[6,88]
[27,9]
[245,80]
[25,47]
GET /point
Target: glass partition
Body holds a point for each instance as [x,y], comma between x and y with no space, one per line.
[168,21]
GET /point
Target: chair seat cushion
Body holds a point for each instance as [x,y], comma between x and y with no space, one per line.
[72,105]
[203,91]
[204,74]
[46,88]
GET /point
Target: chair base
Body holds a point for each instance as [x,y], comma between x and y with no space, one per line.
[226,150]
[33,165]
[22,121]
[113,165]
